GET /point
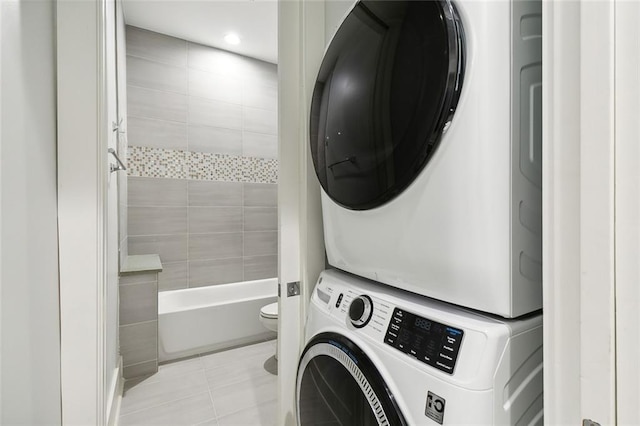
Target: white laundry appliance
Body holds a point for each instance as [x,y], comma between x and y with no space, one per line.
[377,355]
[426,138]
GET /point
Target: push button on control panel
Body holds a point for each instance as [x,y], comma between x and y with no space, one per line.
[428,341]
[339,300]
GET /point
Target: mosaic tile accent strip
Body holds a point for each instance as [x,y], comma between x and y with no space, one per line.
[174,164]
[143,161]
[259,170]
[217,167]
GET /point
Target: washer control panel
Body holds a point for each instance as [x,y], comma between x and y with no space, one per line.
[428,341]
[360,311]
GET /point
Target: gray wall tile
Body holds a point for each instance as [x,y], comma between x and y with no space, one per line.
[215,113]
[215,246]
[260,72]
[156,104]
[159,47]
[142,369]
[215,219]
[157,192]
[259,145]
[157,220]
[139,342]
[138,303]
[260,219]
[138,278]
[215,86]
[215,139]
[259,120]
[156,75]
[210,272]
[188,97]
[263,96]
[260,194]
[260,243]
[156,133]
[171,248]
[202,193]
[174,276]
[214,60]
[260,267]
[123,249]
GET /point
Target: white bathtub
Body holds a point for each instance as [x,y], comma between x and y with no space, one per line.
[204,319]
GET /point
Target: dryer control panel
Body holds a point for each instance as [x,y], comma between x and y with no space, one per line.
[429,341]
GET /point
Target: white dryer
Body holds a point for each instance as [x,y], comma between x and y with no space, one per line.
[376,355]
[426,138]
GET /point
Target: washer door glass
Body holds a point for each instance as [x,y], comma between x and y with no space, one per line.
[386,91]
[338,385]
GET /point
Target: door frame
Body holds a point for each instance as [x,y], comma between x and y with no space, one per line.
[82,182]
[627,208]
[579,145]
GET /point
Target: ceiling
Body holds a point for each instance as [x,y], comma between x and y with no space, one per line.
[208,21]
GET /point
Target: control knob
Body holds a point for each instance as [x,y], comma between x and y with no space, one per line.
[360,311]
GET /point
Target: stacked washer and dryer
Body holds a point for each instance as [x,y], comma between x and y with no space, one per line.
[426,139]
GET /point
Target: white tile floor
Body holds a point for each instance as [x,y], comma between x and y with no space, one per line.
[233,387]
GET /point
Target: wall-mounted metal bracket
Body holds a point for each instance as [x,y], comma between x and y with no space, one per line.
[116,167]
[293,289]
[115,127]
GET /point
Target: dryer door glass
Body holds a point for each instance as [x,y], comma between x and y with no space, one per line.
[386,91]
[338,385]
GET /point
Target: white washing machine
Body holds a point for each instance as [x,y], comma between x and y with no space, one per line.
[426,138]
[376,355]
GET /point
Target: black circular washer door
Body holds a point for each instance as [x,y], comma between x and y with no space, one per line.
[386,91]
[338,384]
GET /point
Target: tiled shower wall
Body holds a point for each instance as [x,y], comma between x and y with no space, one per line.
[202,160]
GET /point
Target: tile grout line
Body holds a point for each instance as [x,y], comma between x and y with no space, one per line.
[164,380]
[213,404]
[200,370]
[161,404]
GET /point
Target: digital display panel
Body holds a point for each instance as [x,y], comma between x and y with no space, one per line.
[428,341]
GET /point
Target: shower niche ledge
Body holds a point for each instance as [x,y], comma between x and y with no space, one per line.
[144,263]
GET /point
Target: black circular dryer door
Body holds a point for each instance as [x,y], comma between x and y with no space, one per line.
[337,384]
[386,91]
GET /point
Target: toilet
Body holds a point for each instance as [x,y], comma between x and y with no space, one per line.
[269,318]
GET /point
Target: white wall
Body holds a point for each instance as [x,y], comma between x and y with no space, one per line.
[30,332]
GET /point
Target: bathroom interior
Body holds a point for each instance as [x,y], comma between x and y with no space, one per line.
[198,240]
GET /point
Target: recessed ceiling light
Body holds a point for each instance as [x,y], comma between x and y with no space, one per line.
[232,38]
